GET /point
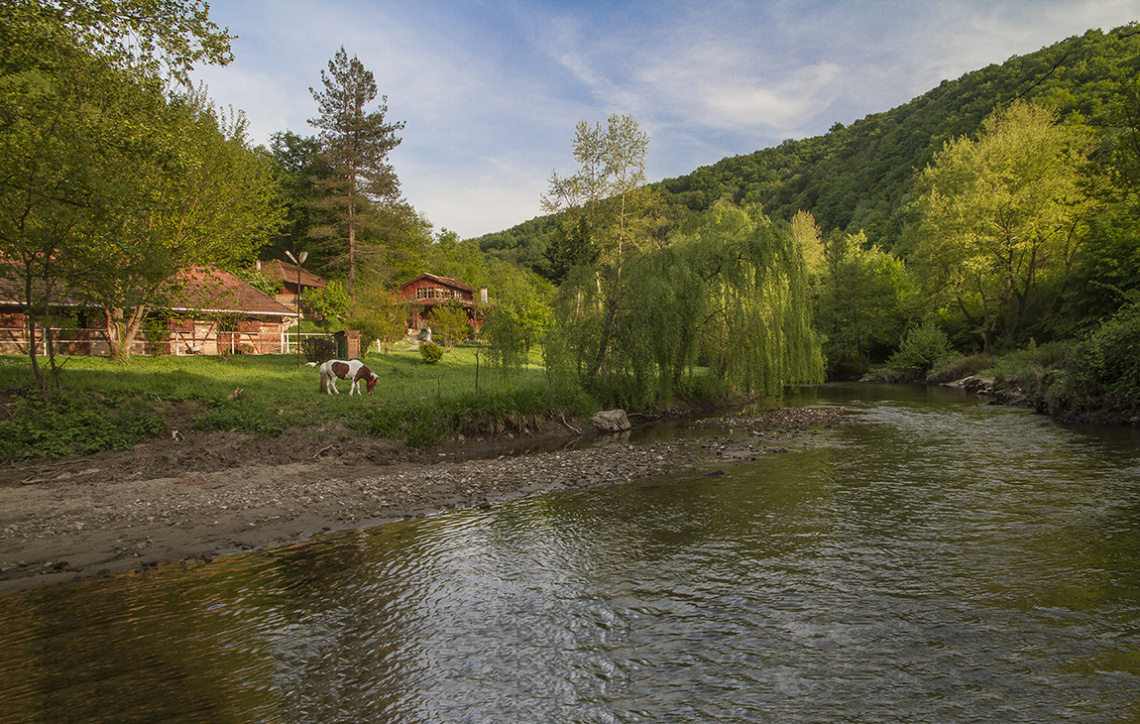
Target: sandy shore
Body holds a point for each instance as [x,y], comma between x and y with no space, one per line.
[206,496]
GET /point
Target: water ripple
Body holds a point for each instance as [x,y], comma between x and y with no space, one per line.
[941,561]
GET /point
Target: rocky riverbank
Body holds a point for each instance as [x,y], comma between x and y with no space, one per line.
[210,495]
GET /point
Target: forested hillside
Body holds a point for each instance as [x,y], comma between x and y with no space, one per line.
[860,177]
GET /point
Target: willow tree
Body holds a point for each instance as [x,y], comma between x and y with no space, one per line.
[730,298]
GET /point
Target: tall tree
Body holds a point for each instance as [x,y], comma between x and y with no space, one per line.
[1001,221]
[300,166]
[731,294]
[861,308]
[611,165]
[626,146]
[158,37]
[74,76]
[356,143]
[197,196]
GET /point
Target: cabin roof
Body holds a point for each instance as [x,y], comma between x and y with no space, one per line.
[446,281]
[202,290]
[276,270]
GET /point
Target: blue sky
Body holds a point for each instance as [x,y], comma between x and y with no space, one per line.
[491,90]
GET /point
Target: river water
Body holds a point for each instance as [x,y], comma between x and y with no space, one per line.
[939,560]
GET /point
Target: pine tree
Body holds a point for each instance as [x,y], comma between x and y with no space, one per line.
[356,143]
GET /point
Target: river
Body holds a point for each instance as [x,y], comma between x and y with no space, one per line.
[939,560]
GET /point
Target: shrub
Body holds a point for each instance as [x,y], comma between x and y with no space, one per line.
[156,333]
[318,349]
[449,324]
[920,350]
[77,424]
[956,367]
[1101,374]
[431,353]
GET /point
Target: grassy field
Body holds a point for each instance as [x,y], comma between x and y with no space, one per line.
[105,405]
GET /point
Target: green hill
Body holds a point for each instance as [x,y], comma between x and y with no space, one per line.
[860,176]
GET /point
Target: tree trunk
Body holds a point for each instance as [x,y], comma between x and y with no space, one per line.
[604,343]
[37,373]
[121,332]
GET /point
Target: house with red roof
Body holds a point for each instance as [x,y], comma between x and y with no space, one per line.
[211,312]
[291,278]
[428,291]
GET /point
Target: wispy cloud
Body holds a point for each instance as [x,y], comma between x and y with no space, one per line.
[491,89]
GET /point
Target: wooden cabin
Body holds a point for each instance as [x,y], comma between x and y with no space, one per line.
[286,276]
[427,291]
[211,312]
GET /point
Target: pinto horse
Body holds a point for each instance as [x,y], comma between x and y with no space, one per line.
[353,370]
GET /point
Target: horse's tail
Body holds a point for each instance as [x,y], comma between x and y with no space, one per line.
[324,388]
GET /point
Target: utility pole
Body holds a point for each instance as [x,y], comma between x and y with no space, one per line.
[298,262]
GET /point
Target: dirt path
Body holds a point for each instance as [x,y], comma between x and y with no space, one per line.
[209,495]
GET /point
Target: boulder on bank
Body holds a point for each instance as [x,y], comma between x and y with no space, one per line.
[611,421]
[977,384]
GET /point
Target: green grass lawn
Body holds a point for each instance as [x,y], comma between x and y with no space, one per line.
[107,405]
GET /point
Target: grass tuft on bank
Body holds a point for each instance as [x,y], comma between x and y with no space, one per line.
[107,406]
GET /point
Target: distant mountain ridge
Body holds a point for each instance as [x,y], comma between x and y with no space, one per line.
[859,177]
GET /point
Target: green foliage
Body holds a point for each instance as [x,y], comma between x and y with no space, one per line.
[156,331]
[957,367]
[731,296]
[150,35]
[359,200]
[318,349]
[449,324]
[861,308]
[325,305]
[431,353]
[1101,375]
[999,222]
[569,248]
[75,424]
[242,413]
[921,348]
[256,280]
[506,340]
[378,316]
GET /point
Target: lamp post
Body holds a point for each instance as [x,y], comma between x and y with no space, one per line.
[298,262]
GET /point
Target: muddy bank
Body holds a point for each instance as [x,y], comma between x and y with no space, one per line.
[211,495]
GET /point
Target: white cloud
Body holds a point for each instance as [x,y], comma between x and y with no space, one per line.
[491,90]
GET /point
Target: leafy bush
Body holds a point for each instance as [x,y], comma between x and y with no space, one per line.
[431,353]
[922,347]
[1101,374]
[77,424]
[242,413]
[449,323]
[318,349]
[324,305]
[156,332]
[956,367]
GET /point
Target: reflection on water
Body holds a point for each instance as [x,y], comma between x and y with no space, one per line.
[940,561]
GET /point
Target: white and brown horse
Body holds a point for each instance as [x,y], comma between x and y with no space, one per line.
[353,370]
